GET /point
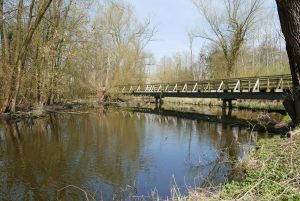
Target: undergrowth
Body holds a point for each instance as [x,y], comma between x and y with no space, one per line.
[275,175]
[272,173]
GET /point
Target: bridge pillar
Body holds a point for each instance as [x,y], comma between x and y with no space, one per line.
[230,104]
[158,102]
[224,105]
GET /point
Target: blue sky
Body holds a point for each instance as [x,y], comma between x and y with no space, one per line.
[173,19]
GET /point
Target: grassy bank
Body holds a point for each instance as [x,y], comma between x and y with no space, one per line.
[241,104]
[192,102]
[272,172]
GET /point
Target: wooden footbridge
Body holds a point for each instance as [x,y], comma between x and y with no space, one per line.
[260,88]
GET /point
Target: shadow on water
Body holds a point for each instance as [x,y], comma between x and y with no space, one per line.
[241,118]
[116,154]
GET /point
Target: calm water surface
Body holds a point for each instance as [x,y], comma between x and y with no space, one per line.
[115,154]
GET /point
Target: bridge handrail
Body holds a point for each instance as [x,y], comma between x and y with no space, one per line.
[227,80]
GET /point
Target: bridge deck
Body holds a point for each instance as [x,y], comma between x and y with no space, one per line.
[266,87]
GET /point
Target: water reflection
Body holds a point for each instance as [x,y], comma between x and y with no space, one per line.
[114,153]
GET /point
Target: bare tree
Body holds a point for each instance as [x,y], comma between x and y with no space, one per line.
[289,14]
[21,46]
[228,29]
[123,39]
[51,50]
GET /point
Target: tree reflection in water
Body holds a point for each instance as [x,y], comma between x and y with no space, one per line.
[106,152]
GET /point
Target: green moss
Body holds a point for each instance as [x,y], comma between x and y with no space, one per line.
[286,119]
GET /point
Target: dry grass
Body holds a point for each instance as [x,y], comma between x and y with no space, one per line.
[272,173]
[241,104]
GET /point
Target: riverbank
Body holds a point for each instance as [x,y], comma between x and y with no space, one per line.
[238,104]
[190,103]
[129,101]
[42,111]
[271,172]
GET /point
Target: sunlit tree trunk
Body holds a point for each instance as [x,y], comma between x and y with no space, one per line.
[16,75]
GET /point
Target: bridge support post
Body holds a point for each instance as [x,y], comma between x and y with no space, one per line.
[224,105]
[158,102]
[230,104]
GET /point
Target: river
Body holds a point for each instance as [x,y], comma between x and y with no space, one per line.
[116,154]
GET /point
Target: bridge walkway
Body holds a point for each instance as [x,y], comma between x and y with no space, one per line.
[260,88]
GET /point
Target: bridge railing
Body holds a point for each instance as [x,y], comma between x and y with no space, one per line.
[277,83]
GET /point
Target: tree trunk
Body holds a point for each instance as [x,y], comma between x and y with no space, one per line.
[17,87]
[289,15]
[21,50]
[2,33]
[2,53]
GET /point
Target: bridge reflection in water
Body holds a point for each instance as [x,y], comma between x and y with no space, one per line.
[245,119]
[260,88]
